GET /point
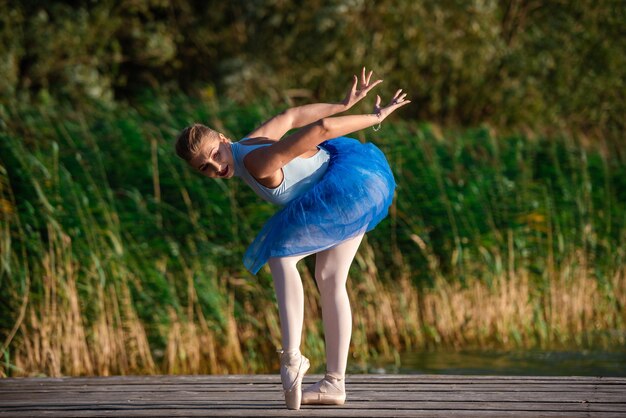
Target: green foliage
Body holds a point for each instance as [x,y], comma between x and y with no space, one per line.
[469,193]
[550,65]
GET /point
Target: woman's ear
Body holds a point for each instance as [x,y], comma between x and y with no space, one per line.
[226,140]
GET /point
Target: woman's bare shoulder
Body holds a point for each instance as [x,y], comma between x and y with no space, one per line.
[257,141]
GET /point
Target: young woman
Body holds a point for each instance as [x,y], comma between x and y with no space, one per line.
[332,190]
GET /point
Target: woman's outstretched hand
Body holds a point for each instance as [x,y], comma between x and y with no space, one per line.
[357,93]
[397,102]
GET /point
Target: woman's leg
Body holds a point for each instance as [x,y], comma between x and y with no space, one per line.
[331,273]
[290,298]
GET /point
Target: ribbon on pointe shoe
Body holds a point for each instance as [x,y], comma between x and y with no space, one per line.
[293,366]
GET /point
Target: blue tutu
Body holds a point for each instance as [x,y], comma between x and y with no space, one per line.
[351,198]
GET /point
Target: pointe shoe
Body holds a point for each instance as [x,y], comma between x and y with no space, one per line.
[331,390]
[293,366]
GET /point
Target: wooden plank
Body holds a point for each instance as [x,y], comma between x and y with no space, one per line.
[387,380]
[540,403]
[383,379]
[262,389]
[352,388]
[366,409]
[539,397]
[322,412]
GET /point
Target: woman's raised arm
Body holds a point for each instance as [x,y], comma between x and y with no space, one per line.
[297,117]
[263,162]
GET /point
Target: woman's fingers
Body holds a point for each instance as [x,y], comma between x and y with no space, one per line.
[397,102]
[374,84]
[398,105]
[398,98]
[365,79]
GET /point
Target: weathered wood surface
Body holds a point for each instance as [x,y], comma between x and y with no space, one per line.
[368,396]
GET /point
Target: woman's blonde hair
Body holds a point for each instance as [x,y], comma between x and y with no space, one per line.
[190,139]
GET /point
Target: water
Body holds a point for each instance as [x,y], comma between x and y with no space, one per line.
[522,363]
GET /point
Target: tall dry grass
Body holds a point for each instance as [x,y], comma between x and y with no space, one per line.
[55,339]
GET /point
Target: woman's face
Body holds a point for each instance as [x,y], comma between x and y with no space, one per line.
[214,158]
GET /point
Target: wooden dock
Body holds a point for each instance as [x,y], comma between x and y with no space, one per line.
[368,396]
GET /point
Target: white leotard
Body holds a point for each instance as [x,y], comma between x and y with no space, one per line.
[298,175]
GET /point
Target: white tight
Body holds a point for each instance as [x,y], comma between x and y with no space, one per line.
[331,273]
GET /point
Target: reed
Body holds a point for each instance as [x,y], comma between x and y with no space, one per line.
[117,259]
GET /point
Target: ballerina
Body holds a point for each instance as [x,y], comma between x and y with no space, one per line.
[332,190]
